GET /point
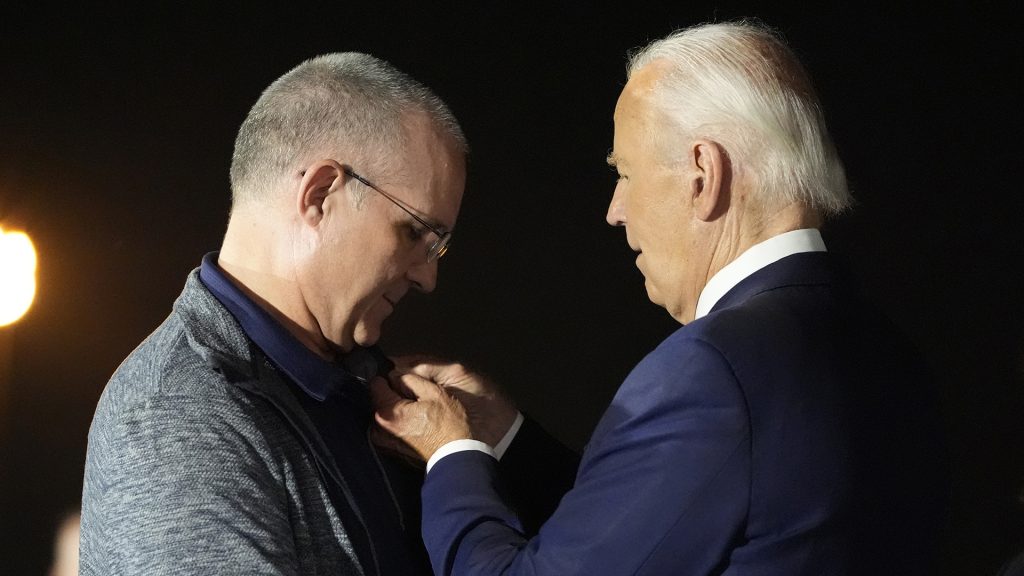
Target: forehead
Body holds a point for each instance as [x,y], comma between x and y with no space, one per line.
[640,88]
[637,118]
[424,145]
[430,169]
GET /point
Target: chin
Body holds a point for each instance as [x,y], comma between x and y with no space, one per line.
[366,336]
[653,295]
[681,318]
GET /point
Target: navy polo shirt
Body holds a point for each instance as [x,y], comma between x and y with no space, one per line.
[335,396]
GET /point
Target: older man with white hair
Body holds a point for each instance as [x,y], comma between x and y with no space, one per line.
[784,429]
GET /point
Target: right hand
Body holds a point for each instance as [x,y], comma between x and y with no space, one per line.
[491,413]
[419,415]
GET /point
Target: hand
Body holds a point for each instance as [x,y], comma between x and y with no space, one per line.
[491,413]
[418,413]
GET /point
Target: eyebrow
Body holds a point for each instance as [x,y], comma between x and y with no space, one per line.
[441,227]
[423,216]
[611,160]
[426,218]
[417,215]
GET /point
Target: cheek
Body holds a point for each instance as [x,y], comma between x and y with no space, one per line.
[666,262]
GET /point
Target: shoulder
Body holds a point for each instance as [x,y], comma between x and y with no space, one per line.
[709,342]
[687,369]
[170,429]
[802,313]
[165,367]
[731,347]
[168,393]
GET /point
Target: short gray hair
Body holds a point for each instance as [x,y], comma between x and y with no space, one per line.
[737,83]
[348,101]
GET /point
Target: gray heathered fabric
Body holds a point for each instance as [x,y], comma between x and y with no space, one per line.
[201,462]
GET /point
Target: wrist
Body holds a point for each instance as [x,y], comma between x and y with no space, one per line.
[510,434]
[458,446]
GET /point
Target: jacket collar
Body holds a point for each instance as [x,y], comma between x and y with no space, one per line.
[803,269]
[755,258]
[214,334]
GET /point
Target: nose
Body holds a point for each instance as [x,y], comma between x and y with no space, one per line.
[616,215]
[423,276]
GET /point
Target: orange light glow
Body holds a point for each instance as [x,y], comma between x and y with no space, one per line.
[17,275]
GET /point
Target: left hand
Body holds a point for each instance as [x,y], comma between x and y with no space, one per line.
[491,413]
[418,413]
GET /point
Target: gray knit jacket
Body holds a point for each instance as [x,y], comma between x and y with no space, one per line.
[200,461]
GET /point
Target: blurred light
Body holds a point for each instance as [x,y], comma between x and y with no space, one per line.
[17,275]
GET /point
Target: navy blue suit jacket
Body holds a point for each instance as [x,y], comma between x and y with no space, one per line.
[788,432]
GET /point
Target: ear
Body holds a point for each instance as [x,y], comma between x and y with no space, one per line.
[318,181]
[709,184]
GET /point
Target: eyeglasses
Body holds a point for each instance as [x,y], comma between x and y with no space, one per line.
[439,247]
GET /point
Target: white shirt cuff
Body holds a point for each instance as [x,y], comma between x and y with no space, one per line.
[466,444]
[458,446]
[500,447]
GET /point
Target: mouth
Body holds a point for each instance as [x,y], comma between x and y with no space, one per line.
[393,295]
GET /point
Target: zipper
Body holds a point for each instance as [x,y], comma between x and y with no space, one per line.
[323,467]
[387,480]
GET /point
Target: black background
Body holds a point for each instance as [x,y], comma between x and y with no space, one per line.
[116,128]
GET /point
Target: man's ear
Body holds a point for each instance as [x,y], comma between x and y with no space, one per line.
[318,181]
[709,184]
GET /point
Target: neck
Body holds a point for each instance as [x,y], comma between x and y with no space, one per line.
[743,231]
[255,259]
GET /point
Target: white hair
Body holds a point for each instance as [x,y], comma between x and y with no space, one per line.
[738,84]
[345,101]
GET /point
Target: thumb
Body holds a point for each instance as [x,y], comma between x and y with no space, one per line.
[384,399]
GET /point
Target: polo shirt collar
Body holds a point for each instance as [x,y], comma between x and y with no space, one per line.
[317,377]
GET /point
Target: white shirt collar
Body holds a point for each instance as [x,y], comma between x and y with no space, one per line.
[753,259]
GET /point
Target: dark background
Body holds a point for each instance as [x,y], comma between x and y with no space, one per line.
[116,129]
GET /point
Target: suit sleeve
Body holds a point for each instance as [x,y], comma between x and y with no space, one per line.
[663,486]
[536,471]
[185,488]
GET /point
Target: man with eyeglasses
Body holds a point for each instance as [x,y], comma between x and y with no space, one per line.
[234,440]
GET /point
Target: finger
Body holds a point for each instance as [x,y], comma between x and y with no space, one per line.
[459,394]
[390,444]
[383,398]
[406,362]
[439,371]
[382,438]
[398,386]
[415,387]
